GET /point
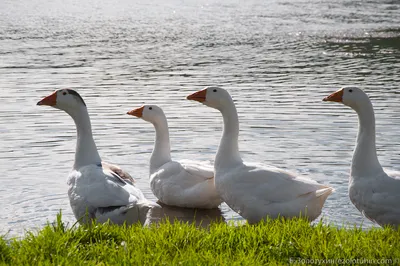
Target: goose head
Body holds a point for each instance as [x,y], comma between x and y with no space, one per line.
[64,99]
[149,113]
[353,97]
[214,97]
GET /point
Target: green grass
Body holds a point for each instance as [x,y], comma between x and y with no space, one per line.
[272,242]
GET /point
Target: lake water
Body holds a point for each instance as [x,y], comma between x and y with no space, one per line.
[278,59]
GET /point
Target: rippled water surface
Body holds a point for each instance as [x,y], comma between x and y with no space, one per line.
[277,58]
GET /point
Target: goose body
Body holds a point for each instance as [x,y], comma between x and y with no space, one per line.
[184,183]
[257,191]
[116,169]
[374,192]
[97,190]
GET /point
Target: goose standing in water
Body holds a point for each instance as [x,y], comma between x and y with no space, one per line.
[257,191]
[183,183]
[97,190]
[374,192]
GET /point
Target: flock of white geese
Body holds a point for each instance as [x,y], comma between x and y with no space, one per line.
[104,192]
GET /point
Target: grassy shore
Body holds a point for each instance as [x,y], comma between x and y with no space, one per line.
[275,242]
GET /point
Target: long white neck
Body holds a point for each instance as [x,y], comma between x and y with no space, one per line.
[86,151]
[365,160]
[228,150]
[162,151]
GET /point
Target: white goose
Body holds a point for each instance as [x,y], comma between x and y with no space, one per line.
[184,183]
[97,190]
[375,193]
[256,191]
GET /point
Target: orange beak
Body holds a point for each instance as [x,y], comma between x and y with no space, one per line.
[138,112]
[335,97]
[199,96]
[50,100]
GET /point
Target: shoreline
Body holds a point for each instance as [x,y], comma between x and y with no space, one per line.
[279,241]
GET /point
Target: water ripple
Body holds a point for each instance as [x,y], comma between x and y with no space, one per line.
[278,59]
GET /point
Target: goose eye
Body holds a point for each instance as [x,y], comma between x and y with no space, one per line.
[214,90]
[150,108]
[350,90]
[64,93]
